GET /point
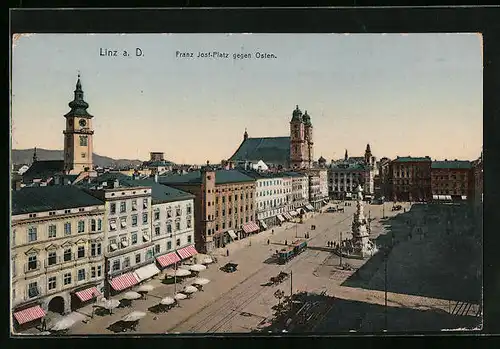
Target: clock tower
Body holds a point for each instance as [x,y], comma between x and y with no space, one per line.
[78,142]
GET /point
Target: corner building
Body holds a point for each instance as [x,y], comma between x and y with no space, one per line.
[57,251]
[224,205]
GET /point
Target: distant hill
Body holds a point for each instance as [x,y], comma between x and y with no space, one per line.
[25,156]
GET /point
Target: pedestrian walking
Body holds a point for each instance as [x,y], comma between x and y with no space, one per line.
[286,242]
[272,232]
[227,252]
[268,241]
[44,324]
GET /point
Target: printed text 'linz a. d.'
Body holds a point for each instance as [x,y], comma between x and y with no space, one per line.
[109,52]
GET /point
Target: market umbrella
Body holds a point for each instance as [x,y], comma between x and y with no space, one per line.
[167,301]
[200,281]
[145,288]
[133,316]
[197,267]
[63,324]
[182,272]
[190,289]
[180,296]
[109,304]
[131,295]
[207,260]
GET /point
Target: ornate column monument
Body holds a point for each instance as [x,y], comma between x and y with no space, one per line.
[360,238]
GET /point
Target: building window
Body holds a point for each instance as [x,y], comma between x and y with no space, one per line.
[112,208]
[223,225]
[83,141]
[157,230]
[32,262]
[134,205]
[99,271]
[145,203]
[52,258]
[178,242]
[32,235]
[67,228]
[169,228]
[134,220]
[52,231]
[149,254]
[157,215]
[178,211]
[126,262]
[33,290]
[95,249]
[188,208]
[138,258]
[134,238]
[52,282]
[92,272]
[92,225]
[123,207]
[116,265]
[81,274]
[144,218]
[169,213]
[99,224]
[81,251]
[81,226]
[169,245]
[177,225]
[67,279]
[223,199]
[189,239]
[157,249]
[188,222]
[67,255]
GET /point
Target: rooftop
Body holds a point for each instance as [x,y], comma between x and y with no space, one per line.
[160,193]
[43,169]
[41,199]
[412,159]
[267,149]
[348,167]
[194,177]
[456,164]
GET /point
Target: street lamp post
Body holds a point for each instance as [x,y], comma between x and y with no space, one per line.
[340,249]
[385,289]
[175,278]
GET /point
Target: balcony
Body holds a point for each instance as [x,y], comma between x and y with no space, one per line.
[32,267]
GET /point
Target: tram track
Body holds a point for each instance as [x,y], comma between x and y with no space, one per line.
[214,318]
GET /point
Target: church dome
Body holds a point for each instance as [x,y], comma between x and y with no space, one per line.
[297,115]
[306,119]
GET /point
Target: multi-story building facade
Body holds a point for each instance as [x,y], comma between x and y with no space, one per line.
[300,191]
[272,192]
[224,205]
[318,187]
[344,177]
[129,249]
[57,251]
[384,178]
[411,179]
[172,222]
[452,179]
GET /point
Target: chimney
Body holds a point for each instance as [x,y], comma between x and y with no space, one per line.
[156,177]
[116,183]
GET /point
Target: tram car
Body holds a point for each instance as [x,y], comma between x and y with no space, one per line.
[295,248]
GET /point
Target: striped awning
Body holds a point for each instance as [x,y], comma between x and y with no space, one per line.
[250,227]
[168,259]
[293,213]
[147,272]
[124,281]
[281,218]
[232,234]
[309,207]
[187,252]
[88,294]
[263,224]
[287,216]
[29,314]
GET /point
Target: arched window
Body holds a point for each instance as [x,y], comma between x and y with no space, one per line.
[93,225]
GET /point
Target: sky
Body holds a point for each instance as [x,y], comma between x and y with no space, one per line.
[404,94]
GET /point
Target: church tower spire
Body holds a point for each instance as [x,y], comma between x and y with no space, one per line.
[298,144]
[346,156]
[78,135]
[245,135]
[35,158]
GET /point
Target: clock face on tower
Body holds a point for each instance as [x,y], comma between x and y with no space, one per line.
[83,122]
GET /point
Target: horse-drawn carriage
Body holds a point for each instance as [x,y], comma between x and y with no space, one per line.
[282,276]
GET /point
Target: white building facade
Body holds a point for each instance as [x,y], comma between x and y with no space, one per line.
[129,249]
